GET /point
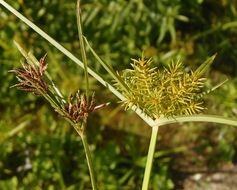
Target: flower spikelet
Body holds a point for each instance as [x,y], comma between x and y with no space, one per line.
[164,93]
[77,109]
[31,77]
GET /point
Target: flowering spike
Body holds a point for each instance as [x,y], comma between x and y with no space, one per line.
[78,109]
[169,92]
[31,79]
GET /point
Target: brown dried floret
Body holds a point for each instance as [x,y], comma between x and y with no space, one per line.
[31,77]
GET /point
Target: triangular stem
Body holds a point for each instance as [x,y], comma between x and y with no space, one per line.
[150,156]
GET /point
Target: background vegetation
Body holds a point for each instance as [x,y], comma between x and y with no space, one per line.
[40,151]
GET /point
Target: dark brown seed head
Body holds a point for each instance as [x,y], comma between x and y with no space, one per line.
[78,109]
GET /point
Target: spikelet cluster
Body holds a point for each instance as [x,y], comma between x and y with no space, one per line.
[163,93]
[30,77]
[78,108]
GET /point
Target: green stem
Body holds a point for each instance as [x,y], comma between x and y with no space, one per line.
[82,133]
[150,156]
[89,161]
[83,52]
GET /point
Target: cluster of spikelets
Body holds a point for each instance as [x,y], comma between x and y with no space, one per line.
[164,93]
[32,78]
[78,108]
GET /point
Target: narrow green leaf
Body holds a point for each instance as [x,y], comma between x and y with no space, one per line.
[108,68]
[197,118]
[163,29]
[203,67]
[82,47]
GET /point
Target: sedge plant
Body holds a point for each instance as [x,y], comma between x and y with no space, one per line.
[33,77]
[159,97]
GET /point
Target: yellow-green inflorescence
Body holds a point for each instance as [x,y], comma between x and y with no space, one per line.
[164,93]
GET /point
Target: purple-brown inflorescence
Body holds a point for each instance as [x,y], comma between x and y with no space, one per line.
[31,77]
[77,109]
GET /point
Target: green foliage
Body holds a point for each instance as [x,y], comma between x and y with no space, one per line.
[167,92]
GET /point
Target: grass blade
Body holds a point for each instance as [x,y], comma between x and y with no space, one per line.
[82,48]
[108,68]
[197,118]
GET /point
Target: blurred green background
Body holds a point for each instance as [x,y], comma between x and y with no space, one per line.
[40,151]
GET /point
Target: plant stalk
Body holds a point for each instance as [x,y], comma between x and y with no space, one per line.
[81,131]
[150,156]
[83,52]
[89,160]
